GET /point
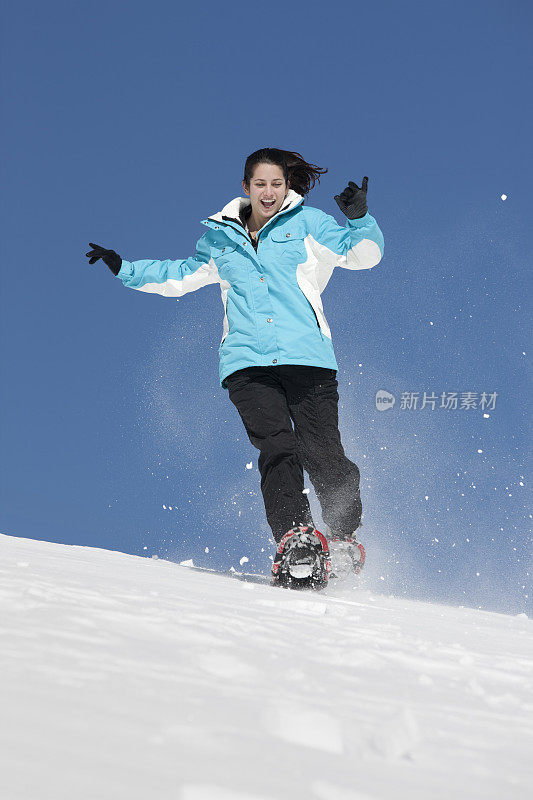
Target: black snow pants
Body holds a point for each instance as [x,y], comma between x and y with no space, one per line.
[267,399]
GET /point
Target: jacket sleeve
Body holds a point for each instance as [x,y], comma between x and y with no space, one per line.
[172,278]
[359,245]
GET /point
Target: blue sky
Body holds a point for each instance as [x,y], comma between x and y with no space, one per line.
[126,124]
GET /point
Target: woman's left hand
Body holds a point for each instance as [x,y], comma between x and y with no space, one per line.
[352,201]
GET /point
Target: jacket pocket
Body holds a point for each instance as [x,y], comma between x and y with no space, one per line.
[288,243]
[221,253]
[288,235]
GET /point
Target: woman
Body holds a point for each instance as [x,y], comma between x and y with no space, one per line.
[273,257]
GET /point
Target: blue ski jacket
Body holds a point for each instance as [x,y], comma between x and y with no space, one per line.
[273,312]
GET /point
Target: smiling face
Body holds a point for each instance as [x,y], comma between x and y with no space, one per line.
[267,190]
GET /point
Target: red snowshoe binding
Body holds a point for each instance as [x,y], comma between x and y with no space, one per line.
[346,553]
[302,559]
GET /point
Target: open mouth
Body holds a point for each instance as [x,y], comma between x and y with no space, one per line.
[267,205]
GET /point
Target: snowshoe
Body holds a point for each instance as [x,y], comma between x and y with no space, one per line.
[346,553]
[302,559]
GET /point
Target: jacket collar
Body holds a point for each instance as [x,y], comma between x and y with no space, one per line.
[234,211]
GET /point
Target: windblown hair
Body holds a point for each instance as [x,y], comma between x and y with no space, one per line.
[300,175]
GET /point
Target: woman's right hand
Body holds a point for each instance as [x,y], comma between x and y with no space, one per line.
[109,257]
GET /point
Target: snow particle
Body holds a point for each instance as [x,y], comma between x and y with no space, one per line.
[504,197]
[249,466]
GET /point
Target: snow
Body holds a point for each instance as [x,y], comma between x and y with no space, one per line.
[126,678]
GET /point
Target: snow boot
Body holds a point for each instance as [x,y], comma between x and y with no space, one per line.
[302,559]
[346,553]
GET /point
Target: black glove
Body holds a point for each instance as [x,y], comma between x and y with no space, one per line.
[109,257]
[352,201]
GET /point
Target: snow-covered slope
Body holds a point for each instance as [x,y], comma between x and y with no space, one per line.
[124,677]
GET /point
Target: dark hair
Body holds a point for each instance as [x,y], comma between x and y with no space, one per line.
[299,173]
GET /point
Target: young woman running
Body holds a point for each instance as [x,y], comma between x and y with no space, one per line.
[273,256]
